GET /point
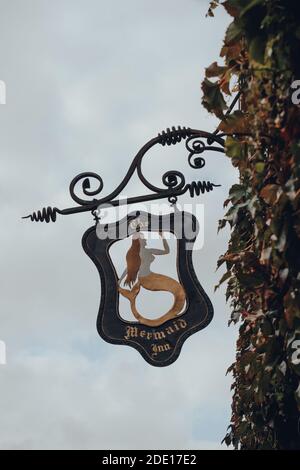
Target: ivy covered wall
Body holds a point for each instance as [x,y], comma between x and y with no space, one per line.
[260,58]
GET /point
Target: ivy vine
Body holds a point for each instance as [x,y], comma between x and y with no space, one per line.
[261,60]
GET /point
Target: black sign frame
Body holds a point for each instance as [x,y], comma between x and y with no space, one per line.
[159,346]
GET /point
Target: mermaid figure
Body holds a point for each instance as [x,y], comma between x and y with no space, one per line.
[137,273]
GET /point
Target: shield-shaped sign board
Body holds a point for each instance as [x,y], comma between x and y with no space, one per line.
[159,340]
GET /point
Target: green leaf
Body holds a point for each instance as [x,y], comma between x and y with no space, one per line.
[250,280]
[233,32]
[213,99]
[234,148]
[257,49]
[236,192]
[259,167]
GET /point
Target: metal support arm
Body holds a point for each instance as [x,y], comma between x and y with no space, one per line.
[196,143]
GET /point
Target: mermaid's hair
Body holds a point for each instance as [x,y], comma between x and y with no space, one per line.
[133,260]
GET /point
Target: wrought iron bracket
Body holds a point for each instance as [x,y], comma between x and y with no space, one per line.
[196,142]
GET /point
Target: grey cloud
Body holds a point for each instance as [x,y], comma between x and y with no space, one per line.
[88,82]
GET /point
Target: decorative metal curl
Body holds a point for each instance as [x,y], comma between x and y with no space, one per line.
[173,181]
[196,146]
[86,185]
[197,163]
[45,215]
[197,187]
[173,136]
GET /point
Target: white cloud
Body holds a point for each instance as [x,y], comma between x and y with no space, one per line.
[65,399]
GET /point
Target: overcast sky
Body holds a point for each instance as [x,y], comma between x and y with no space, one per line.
[88,83]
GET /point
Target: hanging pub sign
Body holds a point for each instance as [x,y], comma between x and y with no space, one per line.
[159,336]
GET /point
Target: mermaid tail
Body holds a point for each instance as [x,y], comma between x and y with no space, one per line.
[156,282]
[130,294]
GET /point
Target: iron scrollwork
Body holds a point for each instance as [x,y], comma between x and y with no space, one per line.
[158,340]
[197,142]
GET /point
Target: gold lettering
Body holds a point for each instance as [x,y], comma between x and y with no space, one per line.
[134,332]
[131,332]
[154,349]
[169,330]
[159,348]
[182,323]
[159,335]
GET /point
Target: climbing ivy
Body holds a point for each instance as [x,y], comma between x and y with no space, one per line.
[260,59]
